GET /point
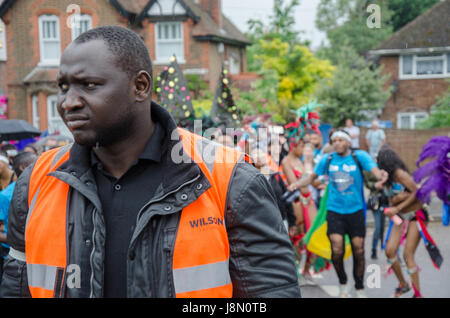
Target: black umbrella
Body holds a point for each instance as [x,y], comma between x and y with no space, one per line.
[17,129]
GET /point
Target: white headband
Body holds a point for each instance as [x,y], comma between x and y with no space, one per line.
[4,159]
[341,134]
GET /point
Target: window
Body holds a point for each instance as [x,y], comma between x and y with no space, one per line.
[425,66]
[2,41]
[448,63]
[235,63]
[55,122]
[407,65]
[35,111]
[169,41]
[410,120]
[84,24]
[49,40]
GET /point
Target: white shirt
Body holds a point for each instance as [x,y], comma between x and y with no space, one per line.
[353,131]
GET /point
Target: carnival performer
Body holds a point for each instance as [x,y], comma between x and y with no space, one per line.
[401,190]
[293,168]
[345,205]
[305,209]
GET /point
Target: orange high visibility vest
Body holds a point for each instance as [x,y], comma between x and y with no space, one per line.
[201,252]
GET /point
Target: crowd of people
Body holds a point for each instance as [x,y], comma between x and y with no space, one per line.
[308,165]
[12,163]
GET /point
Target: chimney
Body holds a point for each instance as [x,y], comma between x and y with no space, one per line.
[214,8]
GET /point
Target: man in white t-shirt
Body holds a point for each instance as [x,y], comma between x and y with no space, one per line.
[353,131]
[375,138]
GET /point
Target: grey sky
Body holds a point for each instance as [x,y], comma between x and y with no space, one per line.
[240,11]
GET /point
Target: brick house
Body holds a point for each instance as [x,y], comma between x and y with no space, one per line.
[417,58]
[37,31]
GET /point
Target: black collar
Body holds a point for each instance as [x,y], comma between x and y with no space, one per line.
[79,162]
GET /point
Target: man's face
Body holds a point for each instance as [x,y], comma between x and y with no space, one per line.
[341,145]
[94,99]
[3,167]
[298,149]
[348,123]
[315,139]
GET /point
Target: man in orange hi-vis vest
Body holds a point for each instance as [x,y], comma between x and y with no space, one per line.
[137,207]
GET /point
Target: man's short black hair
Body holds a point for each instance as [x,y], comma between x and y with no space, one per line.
[130,52]
[24,159]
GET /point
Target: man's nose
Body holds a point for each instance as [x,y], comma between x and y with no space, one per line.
[72,100]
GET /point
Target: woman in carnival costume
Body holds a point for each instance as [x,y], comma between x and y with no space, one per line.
[401,190]
[293,169]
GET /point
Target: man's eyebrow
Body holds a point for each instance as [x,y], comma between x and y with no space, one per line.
[80,75]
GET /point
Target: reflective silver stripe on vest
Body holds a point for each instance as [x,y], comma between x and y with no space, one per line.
[43,276]
[61,152]
[201,277]
[20,256]
[31,208]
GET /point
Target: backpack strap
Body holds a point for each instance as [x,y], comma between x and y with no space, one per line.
[330,156]
[355,158]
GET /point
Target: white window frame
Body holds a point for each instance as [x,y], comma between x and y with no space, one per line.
[35,111]
[416,58]
[83,18]
[412,119]
[3,55]
[55,121]
[166,60]
[42,19]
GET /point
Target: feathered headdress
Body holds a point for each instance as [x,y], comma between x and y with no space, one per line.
[306,119]
[436,172]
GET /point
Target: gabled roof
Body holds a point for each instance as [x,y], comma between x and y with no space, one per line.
[429,30]
[205,28]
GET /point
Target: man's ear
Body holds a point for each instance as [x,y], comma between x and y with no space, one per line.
[143,86]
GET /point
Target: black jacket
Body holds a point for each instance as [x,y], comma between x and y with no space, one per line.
[261,256]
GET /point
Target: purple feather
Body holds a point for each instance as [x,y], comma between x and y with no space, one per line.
[436,172]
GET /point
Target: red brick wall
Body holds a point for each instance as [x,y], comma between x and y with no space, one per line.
[23,47]
[407,143]
[412,95]
[214,8]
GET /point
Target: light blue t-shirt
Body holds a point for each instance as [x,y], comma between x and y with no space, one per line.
[5,201]
[345,181]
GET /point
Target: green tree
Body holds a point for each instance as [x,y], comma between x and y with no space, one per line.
[278,51]
[356,90]
[407,10]
[345,23]
[440,113]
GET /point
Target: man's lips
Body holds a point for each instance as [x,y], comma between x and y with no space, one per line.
[76,121]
